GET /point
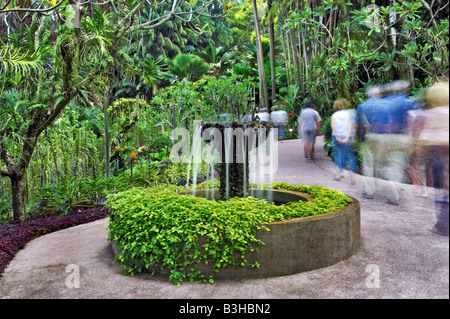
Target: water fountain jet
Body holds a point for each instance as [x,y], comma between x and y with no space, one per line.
[233,142]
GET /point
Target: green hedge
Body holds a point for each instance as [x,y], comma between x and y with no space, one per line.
[159,228]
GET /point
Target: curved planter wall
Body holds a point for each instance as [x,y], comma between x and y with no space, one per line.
[302,244]
[298,244]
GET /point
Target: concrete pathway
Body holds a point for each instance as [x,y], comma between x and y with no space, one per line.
[399,257]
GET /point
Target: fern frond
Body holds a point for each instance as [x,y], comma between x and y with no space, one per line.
[14,60]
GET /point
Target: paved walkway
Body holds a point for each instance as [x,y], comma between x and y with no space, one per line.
[399,257]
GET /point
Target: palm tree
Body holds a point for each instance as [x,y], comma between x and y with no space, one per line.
[252,53]
[188,67]
[219,58]
[152,71]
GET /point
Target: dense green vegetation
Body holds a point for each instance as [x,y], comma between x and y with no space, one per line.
[162,228]
[88,109]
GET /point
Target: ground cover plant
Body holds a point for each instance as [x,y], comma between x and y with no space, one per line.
[163,229]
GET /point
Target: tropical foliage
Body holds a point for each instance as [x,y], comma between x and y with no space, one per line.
[89,98]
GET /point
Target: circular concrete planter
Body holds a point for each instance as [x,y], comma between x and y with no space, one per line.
[299,244]
[296,245]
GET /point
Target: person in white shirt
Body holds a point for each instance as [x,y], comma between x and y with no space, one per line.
[343,127]
[417,152]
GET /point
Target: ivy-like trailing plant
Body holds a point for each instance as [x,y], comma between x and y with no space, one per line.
[163,229]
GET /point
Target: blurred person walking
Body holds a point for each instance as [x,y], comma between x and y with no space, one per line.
[318,128]
[435,137]
[308,125]
[342,137]
[417,152]
[385,144]
[365,125]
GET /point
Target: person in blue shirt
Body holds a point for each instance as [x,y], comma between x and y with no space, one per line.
[397,104]
[366,111]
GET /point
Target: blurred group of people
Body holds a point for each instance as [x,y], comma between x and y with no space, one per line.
[398,134]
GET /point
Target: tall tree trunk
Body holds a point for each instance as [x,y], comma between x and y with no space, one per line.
[16,170]
[295,58]
[287,57]
[392,18]
[259,56]
[105,112]
[18,194]
[272,52]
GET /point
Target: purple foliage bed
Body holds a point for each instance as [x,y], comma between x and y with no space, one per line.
[15,235]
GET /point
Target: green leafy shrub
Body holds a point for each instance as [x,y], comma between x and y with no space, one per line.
[60,197]
[327,135]
[69,192]
[161,228]
[5,207]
